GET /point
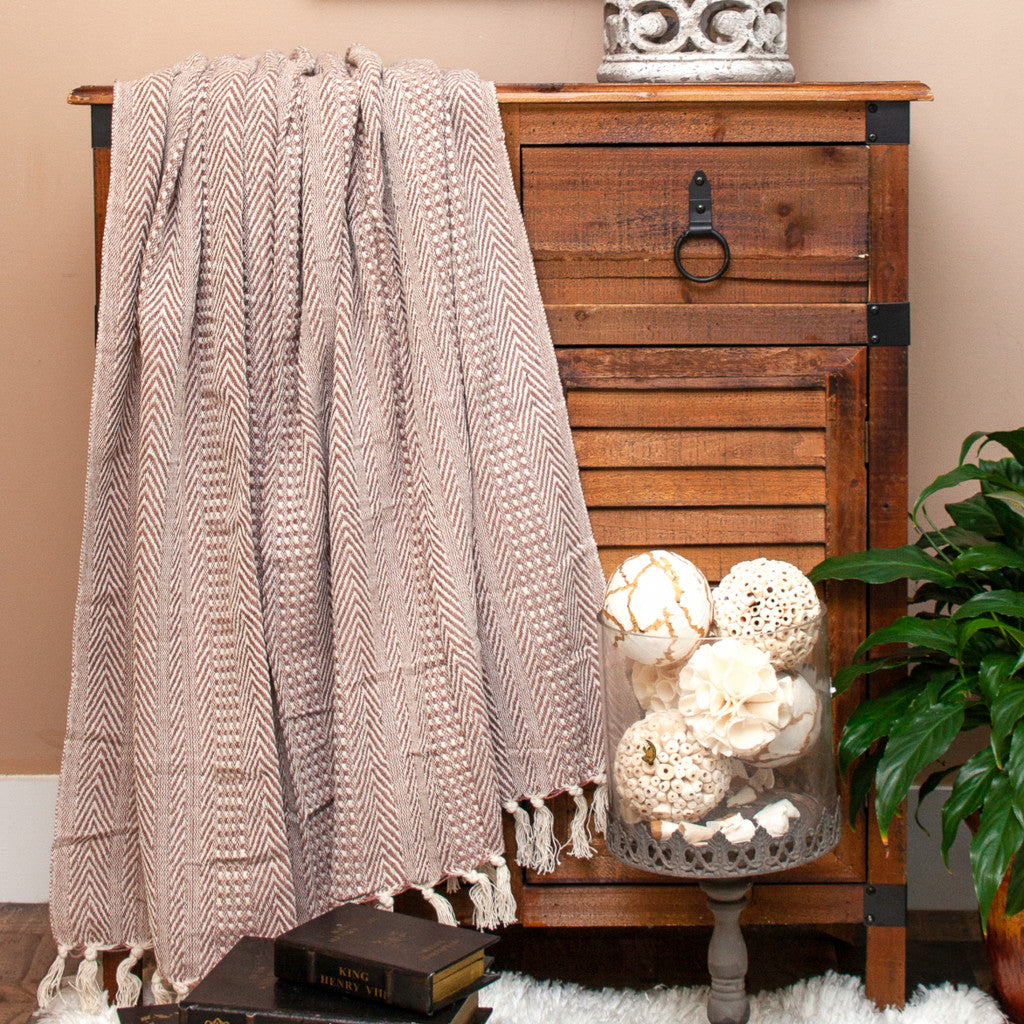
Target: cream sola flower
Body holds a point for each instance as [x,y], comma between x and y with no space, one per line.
[734,701]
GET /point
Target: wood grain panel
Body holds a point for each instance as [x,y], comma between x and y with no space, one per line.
[613,488]
[716,561]
[675,323]
[661,528]
[712,369]
[729,289]
[754,407]
[606,448]
[609,905]
[708,123]
[786,207]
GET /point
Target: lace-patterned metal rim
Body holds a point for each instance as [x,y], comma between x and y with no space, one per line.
[718,858]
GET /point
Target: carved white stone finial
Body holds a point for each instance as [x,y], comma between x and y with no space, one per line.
[695,41]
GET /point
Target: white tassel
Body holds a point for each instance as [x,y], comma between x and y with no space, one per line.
[452,884]
[579,834]
[544,846]
[443,909]
[385,901]
[129,984]
[481,894]
[91,997]
[49,987]
[504,898]
[525,851]
[599,804]
[162,993]
[181,989]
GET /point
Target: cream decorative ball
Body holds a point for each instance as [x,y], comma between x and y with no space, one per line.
[661,773]
[734,701]
[800,733]
[771,604]
[660,603]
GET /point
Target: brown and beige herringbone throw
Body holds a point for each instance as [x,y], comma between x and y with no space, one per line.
[338,586]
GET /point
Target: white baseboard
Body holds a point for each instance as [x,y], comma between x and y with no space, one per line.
[27,804]
[26,832]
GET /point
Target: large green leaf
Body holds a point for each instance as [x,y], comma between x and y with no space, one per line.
[871,720]
[1011,440]
[988,558]
[961,474]
[883,565]
[998,838]
[975,515]
[967,795]
[937,634]
[928,787]
[1015,887]
[972,627]
[993,602]
[901,659]
[968,443]
[861,780]
[914,742]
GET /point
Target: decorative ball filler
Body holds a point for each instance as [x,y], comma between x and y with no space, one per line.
[718,724]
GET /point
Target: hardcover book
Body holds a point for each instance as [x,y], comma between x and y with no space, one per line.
[361,951]
[242,989]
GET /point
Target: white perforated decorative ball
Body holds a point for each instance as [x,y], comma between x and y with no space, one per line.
[770,604]
[662,773]
[660,604]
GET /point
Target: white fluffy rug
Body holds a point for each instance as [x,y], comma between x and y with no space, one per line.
[831,999]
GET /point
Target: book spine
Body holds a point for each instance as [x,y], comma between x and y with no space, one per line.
[211,1015]
[355,978]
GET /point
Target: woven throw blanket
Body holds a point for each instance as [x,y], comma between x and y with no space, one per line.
[338,591]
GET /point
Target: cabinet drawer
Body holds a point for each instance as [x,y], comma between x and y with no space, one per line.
[603,221]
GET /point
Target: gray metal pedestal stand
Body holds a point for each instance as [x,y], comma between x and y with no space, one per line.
[727,953]
[725,871]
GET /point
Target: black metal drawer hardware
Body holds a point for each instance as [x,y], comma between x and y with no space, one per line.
[700,225]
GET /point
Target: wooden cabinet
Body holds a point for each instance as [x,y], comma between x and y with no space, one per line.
[762,413]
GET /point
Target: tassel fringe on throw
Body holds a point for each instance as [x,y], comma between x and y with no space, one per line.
[338,591]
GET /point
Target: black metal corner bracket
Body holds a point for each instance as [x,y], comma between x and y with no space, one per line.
[101,117]
[885,906]
[888,323]
[887,122]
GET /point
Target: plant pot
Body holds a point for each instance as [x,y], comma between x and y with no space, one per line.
[1004,947]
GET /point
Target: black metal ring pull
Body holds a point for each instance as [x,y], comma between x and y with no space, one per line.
[701,226]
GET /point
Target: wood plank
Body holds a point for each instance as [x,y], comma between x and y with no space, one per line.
[885,974]
[627,488]
[725,324]
[726,290]
[609,906]
[766,271]
[781,208]
[671,448]
[716,561]
[715,369]
[888,231]
[757,407]
[670,528]
[590,92]
[510,122]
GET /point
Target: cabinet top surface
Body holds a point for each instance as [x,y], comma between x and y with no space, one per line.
[794,92]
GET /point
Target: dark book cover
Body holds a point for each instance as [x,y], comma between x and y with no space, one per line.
[242,989]
[361,951]
[155,1013]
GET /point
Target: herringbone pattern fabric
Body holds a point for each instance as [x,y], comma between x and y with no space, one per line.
[338,588]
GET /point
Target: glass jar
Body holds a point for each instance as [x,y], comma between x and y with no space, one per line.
[720,761]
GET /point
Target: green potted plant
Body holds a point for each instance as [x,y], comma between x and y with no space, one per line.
[962,651]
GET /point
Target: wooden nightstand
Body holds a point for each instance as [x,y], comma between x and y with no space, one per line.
[759,413]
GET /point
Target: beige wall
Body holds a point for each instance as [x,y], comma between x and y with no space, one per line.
[966,224]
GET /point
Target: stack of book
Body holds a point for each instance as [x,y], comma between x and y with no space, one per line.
[352,965]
